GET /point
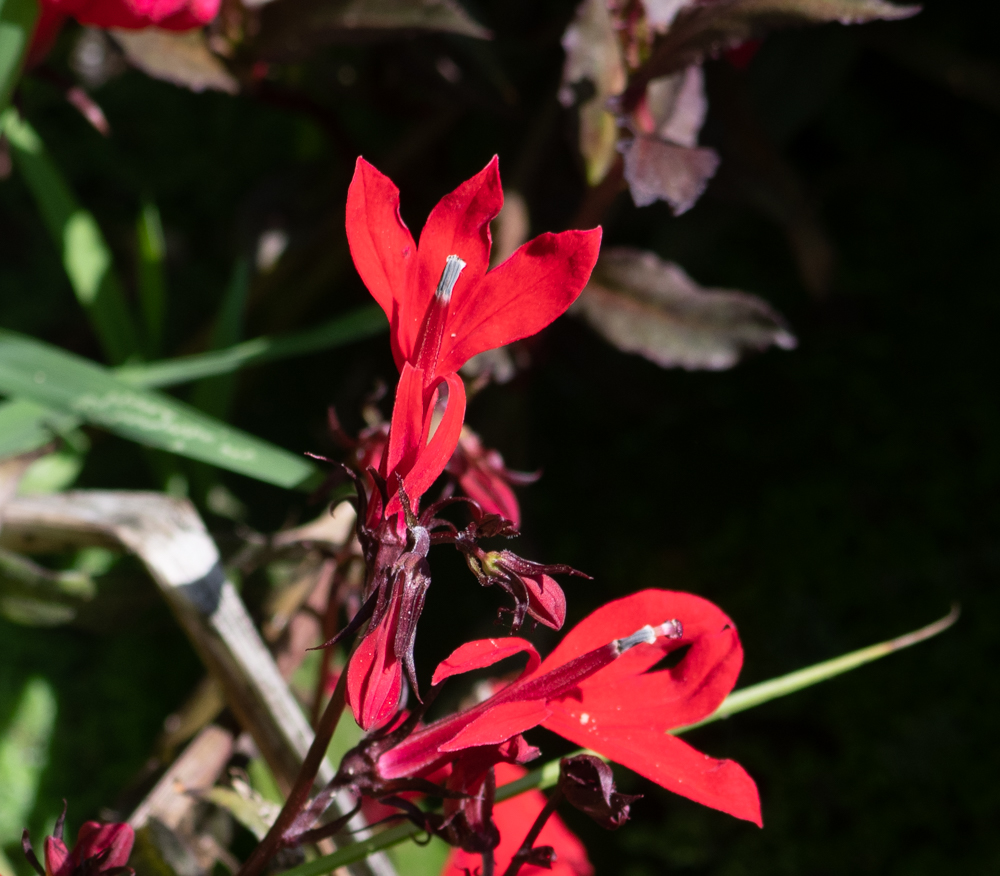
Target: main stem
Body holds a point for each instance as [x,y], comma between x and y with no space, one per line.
[299,795]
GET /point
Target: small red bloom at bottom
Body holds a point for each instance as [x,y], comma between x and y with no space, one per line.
[514,819]
[100,848]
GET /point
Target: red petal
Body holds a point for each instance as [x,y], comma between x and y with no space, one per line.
[671,763]
[374,677]
[520,297]
[406,431]
[546,600]
[432,459]
[686,693]
[94,838]
[514,819]
[484,652]
[498,724]
[458,225]
[381,245]
[56,857]
[487,487]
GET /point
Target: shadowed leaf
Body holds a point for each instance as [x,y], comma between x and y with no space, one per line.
[85,254]
[294,28]
[181,58]
[701,30]
[644,305]
[17,20]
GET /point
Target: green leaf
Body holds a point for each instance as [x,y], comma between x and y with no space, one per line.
[24,752]
[26,426]
[72,385]
[354,326]
[152,284]
[85,254]
[214,395]
[17,23]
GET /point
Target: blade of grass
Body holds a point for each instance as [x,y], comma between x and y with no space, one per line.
[17,23]
[152,283]
[214,395]
[353,326]
[86,256]
[26,426]
[547,775]
[53,378]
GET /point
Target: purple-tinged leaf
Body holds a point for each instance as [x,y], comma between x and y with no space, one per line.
[660,171]
[644,305]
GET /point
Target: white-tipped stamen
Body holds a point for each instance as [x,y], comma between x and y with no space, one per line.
[671,629]
[449,277]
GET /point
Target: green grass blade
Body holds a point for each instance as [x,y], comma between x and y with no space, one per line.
[26,426]
[758,694]
[152,284]
[17,23]
[85,254]
[214,395]
[353,326]
[53,378]
[547,775]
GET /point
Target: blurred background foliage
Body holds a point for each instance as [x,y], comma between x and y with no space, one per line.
[825,498]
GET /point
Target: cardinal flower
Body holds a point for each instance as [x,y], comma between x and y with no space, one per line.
[99,849]
[594,689]
[514,818]
[443,307]
[128,14]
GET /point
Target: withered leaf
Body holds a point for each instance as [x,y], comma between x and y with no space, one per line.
[658,170]
[181,58]
[593,55]
[645,305]
[697,30]
[293,28]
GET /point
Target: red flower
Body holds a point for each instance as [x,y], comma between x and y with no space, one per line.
[129,14]
[595,690]
[514,819]
[100,848]
[444,307]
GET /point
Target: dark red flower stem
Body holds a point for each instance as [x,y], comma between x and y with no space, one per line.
[299,795]
[521,855]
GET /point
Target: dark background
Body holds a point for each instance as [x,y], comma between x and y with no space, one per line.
[826,498]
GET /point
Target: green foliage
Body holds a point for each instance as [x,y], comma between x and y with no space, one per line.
[17,21]
[76,387]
